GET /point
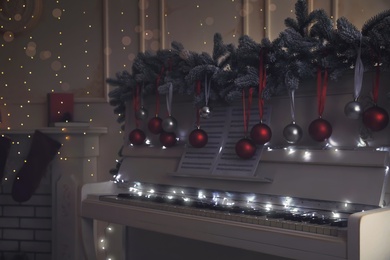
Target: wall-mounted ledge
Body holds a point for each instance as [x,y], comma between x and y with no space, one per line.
[58,130]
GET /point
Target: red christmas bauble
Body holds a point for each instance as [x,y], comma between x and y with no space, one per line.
[198,138]
[375,118]
[137,137]
[245,148]
[168,139]
[155,125]
[261,133]
[320,130]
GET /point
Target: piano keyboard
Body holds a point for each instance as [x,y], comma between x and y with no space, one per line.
[311,222]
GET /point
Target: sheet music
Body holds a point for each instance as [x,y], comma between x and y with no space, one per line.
[218,157]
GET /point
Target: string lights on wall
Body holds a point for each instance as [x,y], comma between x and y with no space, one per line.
[44,57]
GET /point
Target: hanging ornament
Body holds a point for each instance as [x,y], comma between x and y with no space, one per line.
[141,113]
[261,133]
[292,133]
[353,109]
[198,138]
[376,118]
[137,137]
[169,124]
[168,139]
[320,129]
[205,111]
[155,123]
[245,147]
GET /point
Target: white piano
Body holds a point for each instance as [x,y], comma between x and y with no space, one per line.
[307,201]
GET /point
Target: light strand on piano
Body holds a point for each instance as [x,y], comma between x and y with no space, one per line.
[106,242]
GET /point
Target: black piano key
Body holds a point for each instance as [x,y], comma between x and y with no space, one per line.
[293,217]
[276,214]
[158,199]
[254,212]
[237,209]
[126,196]
[175,201]
[208,205]
[320,221]
[339,223]
[305,218]
[219,207]
[197,204]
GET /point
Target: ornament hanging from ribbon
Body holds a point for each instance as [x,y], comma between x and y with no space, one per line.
[320,129]
[198,138]
[376,118]
[205,111]
[141,112]
[292,133]
[354,109]
[261,133]
[155,123]
[245,148]
[137,136]
[169,124]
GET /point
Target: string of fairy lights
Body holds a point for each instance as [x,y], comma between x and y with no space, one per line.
[42,57]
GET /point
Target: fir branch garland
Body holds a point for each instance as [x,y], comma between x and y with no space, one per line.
[309,41]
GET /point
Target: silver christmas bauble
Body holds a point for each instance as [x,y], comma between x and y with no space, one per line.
[205,112]
[142,113]
[169,124]
[292,133]
[353,110]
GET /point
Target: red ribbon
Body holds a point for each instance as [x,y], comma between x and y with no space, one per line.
[157,93]
[136,103]
[262,84]
[375,90]
[197,91]
[322,85]
[246,109]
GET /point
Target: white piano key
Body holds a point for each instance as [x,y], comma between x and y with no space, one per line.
[312,228]
[333,232]
[255,221]
[326,230]
[299,227]
[320,230]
